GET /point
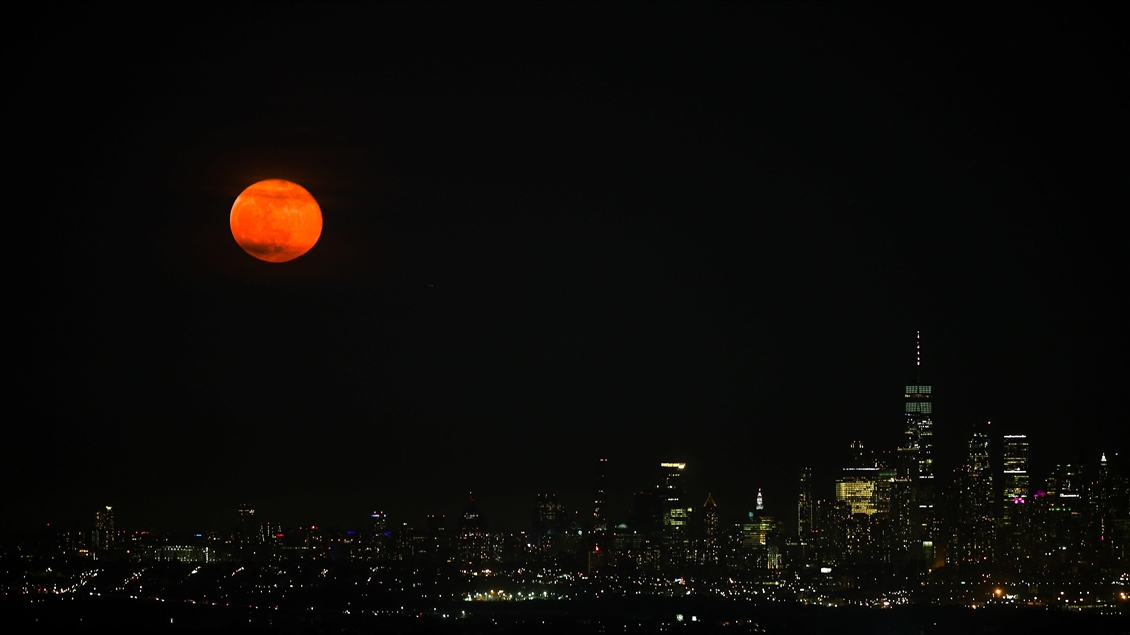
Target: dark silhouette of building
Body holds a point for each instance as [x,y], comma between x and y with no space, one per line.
[600,504]
[104,536]
[473,539]
[710,533]
[380,538]
[548,525]
[975,531]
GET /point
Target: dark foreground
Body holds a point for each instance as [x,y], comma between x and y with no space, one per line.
[644,615]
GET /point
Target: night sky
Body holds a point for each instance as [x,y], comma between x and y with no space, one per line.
[552,233]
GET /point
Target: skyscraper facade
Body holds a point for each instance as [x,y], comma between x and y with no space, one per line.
[1014,517]
[856,486]
[806,506]
[710,533]
[380,537]
[246,527]
[600,505]
[671,494]
[548,521]
[473,538]
[104,533]
[917,458]
[675,514]
[975,533]
[920,441]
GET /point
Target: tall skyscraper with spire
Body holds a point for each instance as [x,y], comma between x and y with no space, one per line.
[711,532]
[917,457]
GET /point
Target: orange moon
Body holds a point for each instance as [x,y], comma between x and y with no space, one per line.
[276,220]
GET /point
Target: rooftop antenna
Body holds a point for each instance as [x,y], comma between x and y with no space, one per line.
[918,355]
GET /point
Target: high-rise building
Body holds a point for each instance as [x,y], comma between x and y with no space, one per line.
[247,528]
[104,533]
[549,522]
[806,506]
[1110,511]
[431,544]
[759,547]
[975,534]
[1100,495]
[379,535]
[710,541]
[270,533]
[1014,525]
[802,549]
[1064,527]
[1015,471]
[675,514]
[671,495]
[640,538]
[600,511]
[1065,484]
[832,519]
[917,458]
[901,545]
[857,485]
[647,512]
[474,547]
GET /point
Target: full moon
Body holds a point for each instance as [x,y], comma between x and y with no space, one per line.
[276,220]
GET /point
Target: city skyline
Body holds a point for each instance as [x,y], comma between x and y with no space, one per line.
[919,414]
[552,234]
[1005,456]
[1075,517]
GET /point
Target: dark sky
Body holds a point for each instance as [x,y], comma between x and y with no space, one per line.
[552,233]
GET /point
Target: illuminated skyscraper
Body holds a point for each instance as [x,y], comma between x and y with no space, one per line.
[1064,523]
[758,547]
[671,494]
[1099,499]
[676,541]
[104,534]
[549,523]
[380,536]
[711,532]
[1015,471]
[435,538]
[976,518]
[806,506]
[600,511]
[832,518]
[247,530]
[1064,484]
[917,456]
[857,485]
[473,540]
[806,519]
[1014,526]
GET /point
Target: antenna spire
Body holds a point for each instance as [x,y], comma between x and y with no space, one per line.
[918,355]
